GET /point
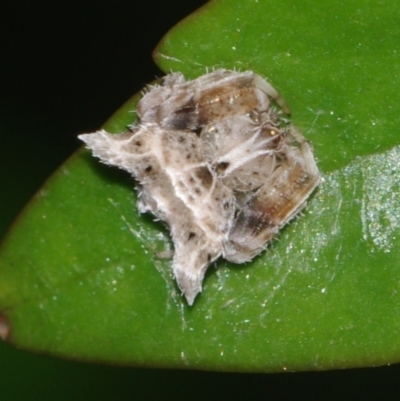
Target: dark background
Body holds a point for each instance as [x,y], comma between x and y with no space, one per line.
[65,68]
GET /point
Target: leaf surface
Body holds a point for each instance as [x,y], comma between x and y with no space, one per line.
[81,273]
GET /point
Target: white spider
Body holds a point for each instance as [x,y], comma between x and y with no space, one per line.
[217,163]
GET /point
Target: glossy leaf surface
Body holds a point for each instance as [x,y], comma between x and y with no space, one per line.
[80,272]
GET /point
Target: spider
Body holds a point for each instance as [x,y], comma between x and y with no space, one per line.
[218,162]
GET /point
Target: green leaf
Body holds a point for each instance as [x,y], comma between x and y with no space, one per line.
[79,271]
